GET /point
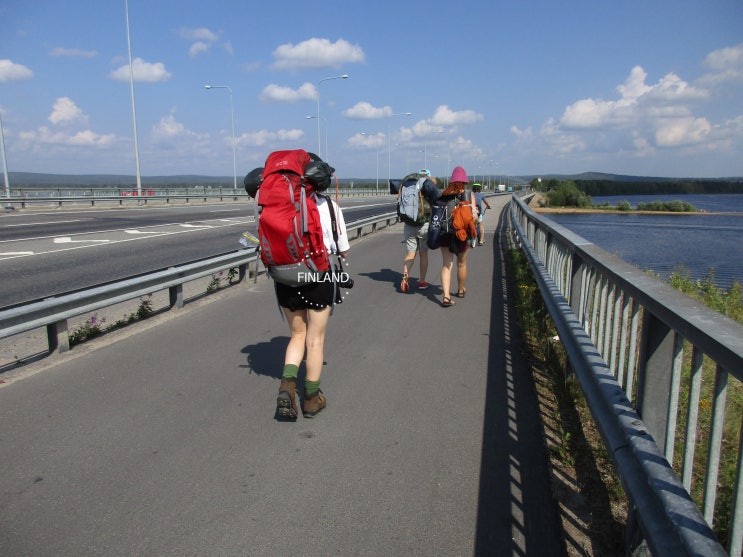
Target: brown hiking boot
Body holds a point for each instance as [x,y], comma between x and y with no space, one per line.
[286,402]
[312,405]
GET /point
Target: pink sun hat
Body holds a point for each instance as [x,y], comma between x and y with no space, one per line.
[459,175]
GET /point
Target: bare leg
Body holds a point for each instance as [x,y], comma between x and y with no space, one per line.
[462,271]
[424,265]
[446,268]
[307,328]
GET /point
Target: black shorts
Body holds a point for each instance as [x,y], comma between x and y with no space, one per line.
[313,295]
[455,245]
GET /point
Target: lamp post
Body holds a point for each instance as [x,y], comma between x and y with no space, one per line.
[376,141]
[389,144]
[232,114]
[134,109]
[326,136]
[425,148]
[5,162]
[344,76]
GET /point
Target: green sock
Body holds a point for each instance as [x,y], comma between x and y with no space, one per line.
[311,387]
[290,371]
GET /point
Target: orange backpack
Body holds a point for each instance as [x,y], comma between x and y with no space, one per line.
[463,221]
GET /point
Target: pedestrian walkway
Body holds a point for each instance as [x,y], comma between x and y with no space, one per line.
[163,441]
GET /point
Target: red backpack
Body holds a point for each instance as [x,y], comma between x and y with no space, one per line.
[289,228]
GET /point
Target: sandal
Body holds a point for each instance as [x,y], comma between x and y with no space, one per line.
[447,303]
[462,293]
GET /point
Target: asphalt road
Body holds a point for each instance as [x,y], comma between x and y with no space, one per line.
[47,252]
[162,440]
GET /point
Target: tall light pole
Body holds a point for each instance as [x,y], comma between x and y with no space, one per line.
[232,113]
[134,109]
[425,148]
[389,144]
[376,141]
[5,161]
[326,136]
[344,76]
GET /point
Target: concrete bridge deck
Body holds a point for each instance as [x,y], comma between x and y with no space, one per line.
[163,440]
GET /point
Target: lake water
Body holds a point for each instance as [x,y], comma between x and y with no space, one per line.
[695,243]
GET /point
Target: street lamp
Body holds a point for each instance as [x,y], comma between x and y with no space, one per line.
[425,148]
[5,162]
[134,109]
[376,141]
[326,135]
[232,113]
[389,144]
[344,76]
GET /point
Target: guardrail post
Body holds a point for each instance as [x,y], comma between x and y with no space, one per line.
[175,295]
[57,337]
[654,376]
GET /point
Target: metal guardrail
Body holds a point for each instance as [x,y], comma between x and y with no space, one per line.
[54,312]
[26,198]
[625,334]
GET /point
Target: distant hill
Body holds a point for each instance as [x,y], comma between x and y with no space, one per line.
[27,179]
[113,180]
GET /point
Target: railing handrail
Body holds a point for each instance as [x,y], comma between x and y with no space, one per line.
[570,272]
[55,309]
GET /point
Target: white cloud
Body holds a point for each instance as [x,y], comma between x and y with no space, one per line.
[85,138]
[65,111]
[317,53]
[265,137]
[366,111]
[200,34]
[277,93]
[72,53]
[444,116]
[725,66]
[10,71]
[682,131]
[198,48]
[143,71]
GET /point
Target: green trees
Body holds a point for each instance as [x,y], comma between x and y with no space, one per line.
[567,194]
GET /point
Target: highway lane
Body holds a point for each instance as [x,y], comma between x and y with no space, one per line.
[48,252]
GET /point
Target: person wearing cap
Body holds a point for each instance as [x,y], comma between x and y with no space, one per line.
[479,202]
[414,237]
[451,245]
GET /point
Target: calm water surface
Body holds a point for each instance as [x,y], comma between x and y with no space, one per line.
[695,243]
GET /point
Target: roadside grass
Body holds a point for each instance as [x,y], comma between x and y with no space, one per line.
[574,438]
[729,302]
[592,502]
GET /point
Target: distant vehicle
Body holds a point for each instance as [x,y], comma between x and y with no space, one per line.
[135,193]
[501,187]
[510,188]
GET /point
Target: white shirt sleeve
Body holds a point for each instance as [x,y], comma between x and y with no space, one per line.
[327,231]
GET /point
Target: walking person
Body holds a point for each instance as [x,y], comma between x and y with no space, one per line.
[414,235]
[479,202]
[450,244]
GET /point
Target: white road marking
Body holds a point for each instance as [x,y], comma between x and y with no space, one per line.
[68,240]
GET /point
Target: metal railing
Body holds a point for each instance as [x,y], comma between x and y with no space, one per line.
[24,198]
[645,356]
[55,312]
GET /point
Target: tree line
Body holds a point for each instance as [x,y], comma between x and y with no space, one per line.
[613,187]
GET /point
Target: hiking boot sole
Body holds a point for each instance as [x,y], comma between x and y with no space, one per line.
[284,406]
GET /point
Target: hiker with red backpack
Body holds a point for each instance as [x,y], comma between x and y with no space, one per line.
[300,232]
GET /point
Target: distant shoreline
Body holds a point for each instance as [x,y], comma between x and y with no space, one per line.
[576,211]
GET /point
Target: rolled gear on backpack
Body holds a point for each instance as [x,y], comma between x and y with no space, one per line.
[319,174]
[253,181]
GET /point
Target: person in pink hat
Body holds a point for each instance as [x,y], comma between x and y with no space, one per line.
[451,245]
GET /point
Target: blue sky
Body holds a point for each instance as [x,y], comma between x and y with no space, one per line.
[639,87]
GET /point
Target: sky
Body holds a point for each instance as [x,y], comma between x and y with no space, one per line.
[529,87]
